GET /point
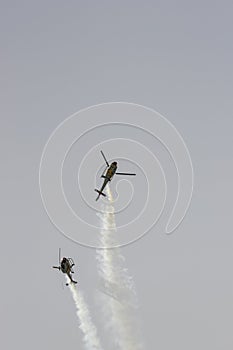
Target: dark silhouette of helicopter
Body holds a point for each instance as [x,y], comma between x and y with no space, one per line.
[65,266]
[111,171]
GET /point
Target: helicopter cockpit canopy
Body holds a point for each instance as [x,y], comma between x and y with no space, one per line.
[71,262]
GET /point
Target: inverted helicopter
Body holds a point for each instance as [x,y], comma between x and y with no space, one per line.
[65,266]
[109,172]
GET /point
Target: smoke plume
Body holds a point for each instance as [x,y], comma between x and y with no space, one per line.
[90,338]
[118,297]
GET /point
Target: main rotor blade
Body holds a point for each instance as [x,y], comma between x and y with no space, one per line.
[104,171]
[104,158]
[130,174]
[59,256]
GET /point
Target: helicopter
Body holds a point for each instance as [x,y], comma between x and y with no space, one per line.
[108,175]
[65,266]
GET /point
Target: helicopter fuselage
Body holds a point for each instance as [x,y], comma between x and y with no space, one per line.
[65,265]
[111,171]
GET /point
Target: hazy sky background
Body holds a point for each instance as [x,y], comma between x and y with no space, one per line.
[174,56]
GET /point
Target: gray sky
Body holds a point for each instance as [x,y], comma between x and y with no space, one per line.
[175,57]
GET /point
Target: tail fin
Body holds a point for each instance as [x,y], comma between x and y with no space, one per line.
[100,194]
[72,281]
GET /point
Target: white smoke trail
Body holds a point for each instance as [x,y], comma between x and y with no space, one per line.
[120,303]
[90,338]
